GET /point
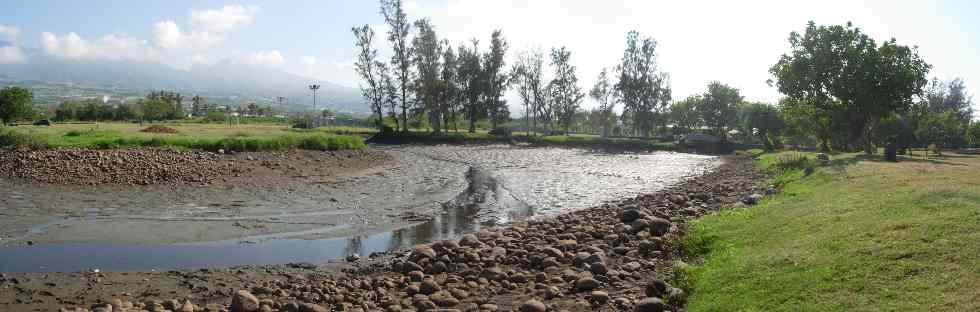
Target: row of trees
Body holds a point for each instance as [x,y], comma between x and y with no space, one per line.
[427,78]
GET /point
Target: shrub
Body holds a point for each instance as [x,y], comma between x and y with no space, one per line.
[10,138]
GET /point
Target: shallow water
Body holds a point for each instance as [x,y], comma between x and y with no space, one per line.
[493,185]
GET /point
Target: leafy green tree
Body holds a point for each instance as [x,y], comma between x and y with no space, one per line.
[940,130]
[15,103]
[401,61]
[643,89]
[973,134]
[684,114]
[604,93]
[566,95]
[719,107]
[496,79]
[428,62]
[840,69]
[470,74]
[369,68]
[450,97]
[763,121]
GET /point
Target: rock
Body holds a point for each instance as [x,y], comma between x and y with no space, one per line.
[188,307]
[310,307]
[552,252]
[428,287]
[243,301]
[489,307]
[639,225]
[631,215]
[599,297]
[658,226]
[586,284]
[533,306]
[752,199]
[423,252]
[823,157]
[353,258]
[676,296]
[656,288]
[416,276]
[598,268]
[650,305]
[470,240]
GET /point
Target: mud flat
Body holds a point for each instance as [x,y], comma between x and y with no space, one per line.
[611,257]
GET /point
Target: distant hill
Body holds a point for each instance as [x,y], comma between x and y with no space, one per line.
[226,82]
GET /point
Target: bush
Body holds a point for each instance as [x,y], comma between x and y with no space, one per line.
[10,138]
[793,161]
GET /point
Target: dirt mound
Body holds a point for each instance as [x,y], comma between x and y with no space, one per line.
[159,129]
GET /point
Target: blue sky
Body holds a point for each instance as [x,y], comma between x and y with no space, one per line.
[731,41]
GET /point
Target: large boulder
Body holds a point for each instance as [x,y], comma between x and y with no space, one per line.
[244,301]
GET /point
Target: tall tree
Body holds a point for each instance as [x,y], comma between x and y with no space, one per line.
[604,94]
[370,69]
[719,107]
[15,103]
[401,61]
[449,100]
[566,95]
[471,77]
[526,75]
[841,70]
[684,114]
[643,89]
[428,62]
[199,106]
[495,78]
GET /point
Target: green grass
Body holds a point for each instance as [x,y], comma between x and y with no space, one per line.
[210,137]
[859,235]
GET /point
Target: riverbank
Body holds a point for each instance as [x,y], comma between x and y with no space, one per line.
[859,235]
[611,257]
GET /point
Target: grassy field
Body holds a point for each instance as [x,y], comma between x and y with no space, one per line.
[189,135]
[859,235]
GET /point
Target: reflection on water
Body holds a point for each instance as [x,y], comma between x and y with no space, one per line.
[135,257]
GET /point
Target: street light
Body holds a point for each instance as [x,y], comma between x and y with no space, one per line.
[314,87]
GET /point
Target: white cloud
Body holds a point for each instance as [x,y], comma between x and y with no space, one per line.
[109,47]
[11,54]
[9,33]
[199,59]
[272,57]
[309,60]
[223,19]
[168,35]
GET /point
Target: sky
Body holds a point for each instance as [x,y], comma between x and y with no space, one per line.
[734,42]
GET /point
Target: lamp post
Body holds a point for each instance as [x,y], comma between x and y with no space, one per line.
[314,87]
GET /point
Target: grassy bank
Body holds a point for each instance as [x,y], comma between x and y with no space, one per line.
[861,235]
[210,137]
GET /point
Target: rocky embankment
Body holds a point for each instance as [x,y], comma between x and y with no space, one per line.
[165,166]
[616,257]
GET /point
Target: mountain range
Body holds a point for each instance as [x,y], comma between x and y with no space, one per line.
[225,82]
